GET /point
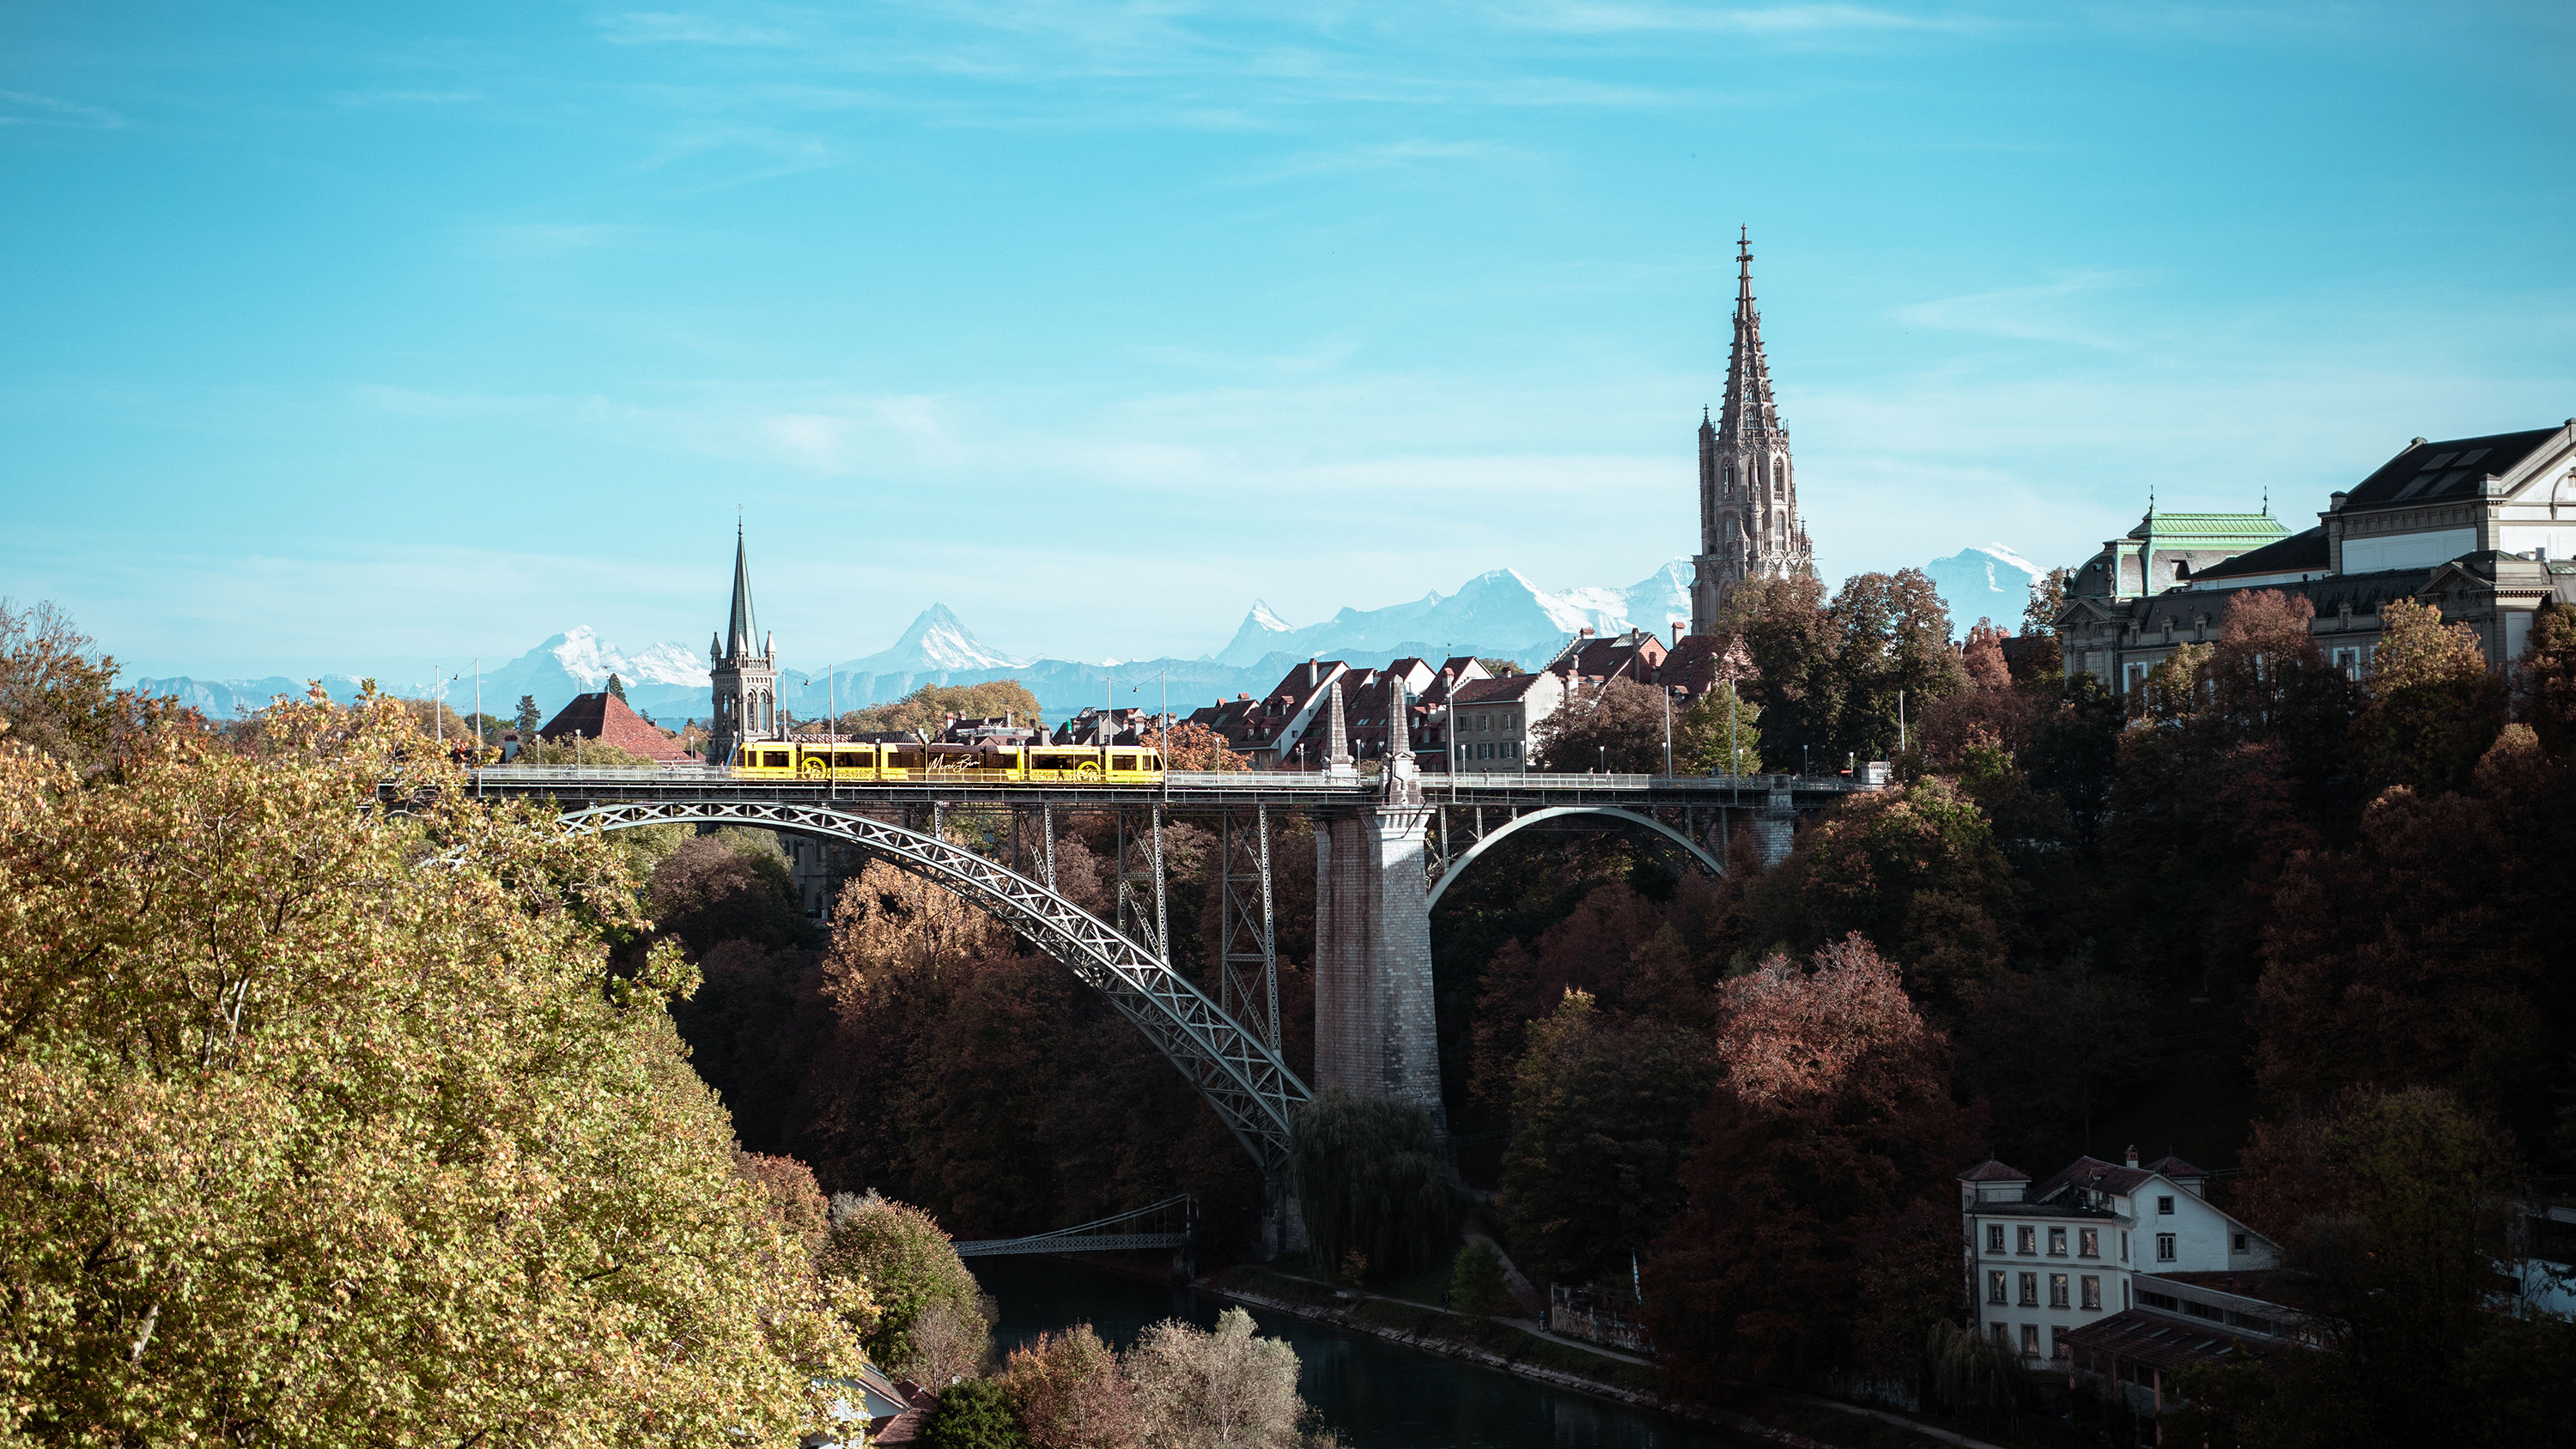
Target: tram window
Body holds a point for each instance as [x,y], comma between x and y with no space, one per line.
[1122,762]
[773,759]
[905,757]
[851,760]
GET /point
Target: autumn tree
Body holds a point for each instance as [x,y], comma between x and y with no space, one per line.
[1915,867]
[911,1269]
[2394,1208]
[59,696]
[1793,643]
[1071,1392]
[1981,658]
[1195,747]
[2432,704]
[1831,1128]
[1617,724]
[318,1125]
[795,1203]
[731,886]
[926,711]
[1226,1389]
[2547,678]
[1601,1112]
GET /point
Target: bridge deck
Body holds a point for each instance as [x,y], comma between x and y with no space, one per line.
[1081,1243]
[1287,789]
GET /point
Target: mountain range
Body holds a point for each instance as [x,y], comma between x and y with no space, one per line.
[1499,614]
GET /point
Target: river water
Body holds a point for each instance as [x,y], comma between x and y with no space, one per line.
[1376,1394]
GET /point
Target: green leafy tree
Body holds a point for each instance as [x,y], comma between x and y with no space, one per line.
[1721,734]
[1601,1114]
[617,688]
[2039,622]
[1892,658]
[972,1414]
[1792,641]
[1370,1176]
[529,717]
[909,1265]
[1477,1284]
[1502,668]
[317,1126]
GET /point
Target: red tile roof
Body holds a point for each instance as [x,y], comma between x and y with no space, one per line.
[2175,1168]
[2093,1175]
[1991,1170]
[605,718]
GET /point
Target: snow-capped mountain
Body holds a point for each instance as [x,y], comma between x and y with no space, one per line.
[935,641]
[226,699]
[1497,613]
[1992,582]
[661,679]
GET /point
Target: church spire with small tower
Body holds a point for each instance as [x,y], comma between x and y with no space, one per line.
[742,670]
[1748,492]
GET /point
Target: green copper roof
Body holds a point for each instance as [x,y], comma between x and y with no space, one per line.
[2209,530]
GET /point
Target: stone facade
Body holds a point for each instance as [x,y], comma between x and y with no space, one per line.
[2480,527]
[1748,490]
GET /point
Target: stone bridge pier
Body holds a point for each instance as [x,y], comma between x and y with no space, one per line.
[1374,1031]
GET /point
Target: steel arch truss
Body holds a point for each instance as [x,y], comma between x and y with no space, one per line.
[1485,827]
[1239,1074]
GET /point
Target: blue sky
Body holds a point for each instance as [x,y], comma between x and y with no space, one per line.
[350,337]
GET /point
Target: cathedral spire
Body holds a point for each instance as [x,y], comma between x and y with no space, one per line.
[1748,409]
[742,634]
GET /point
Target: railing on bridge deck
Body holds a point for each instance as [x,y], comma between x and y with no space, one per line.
[1287,782]
[1088,1237]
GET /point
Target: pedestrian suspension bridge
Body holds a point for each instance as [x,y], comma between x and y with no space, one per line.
[1118,1233]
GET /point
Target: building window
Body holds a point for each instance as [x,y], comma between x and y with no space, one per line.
[2030,1290]
[2057,1342]
[2092,1287]
[2030,1340]
[2164,1247]
[2057,1242]
[2124,1245]
[2240,1242]
[2003,1338]
[2028,1242]
[1994,1237]
[2164,1207]
[1995,1287]
[2056,1290]
[2088,1243]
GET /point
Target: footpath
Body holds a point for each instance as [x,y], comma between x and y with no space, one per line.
[1525,1350]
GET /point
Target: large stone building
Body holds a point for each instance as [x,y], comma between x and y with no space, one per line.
[2480,527]
[743,671]
[1748,492]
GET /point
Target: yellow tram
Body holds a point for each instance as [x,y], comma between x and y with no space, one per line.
[946,763]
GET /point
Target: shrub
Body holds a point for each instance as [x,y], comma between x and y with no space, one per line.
[1071,1392]
[1370,1177]
[1476,1281]
[972,1414]
[1220,1390]
[909,1266]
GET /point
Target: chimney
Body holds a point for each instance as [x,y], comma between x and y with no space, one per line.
[1678,626]
[1585,631]
[1313,667]
[2133,1154]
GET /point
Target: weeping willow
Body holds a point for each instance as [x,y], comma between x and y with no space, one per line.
[1371,1179]
[1972,1374]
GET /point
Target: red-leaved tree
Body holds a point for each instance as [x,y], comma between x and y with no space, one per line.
[1830,1139]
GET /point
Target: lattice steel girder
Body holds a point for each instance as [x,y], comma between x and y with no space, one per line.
[1239,1074]
[1248,948]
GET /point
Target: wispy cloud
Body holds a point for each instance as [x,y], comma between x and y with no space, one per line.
[650,27]
[26,108]
[1387,156]
[380,100]
[1587,17]
[2038,313]
[535,241]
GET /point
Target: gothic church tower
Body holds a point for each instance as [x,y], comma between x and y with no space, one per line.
[745,681]
[1748,497]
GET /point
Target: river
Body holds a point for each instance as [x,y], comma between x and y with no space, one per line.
[1376,1394]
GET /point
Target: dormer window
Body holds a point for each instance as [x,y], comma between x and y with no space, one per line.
[2164,1207]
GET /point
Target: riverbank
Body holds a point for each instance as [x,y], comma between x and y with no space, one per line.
[1524,1351]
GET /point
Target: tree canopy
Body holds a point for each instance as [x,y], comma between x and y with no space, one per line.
[317,1124]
